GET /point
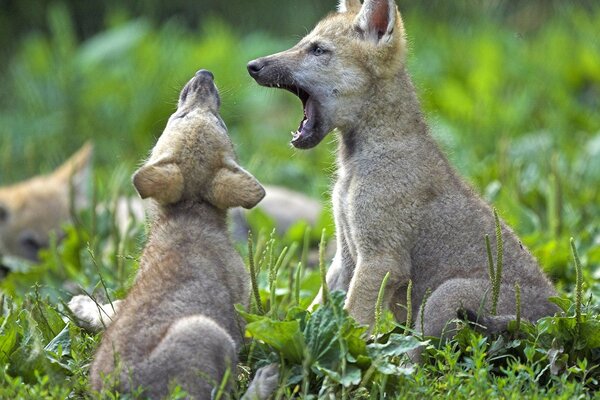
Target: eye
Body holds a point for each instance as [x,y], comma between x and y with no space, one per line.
[317,50]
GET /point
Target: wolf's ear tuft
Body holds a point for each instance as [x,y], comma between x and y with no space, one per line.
[162,182]
[233,186]
[75,174]
[377,19]
[345,5]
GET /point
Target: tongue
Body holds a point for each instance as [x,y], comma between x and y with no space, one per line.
[307,124]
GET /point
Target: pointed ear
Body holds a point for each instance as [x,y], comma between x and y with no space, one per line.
[345,5]
[377,19]
[233,186]
[75,175]
[162,182]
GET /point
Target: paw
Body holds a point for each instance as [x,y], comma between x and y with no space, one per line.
[91,316]
[86,313]
[80,306]
[265,382]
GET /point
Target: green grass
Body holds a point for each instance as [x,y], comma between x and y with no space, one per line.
[516,113]
[325,352]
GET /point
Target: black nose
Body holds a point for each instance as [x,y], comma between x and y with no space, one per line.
[204,72]
[255,66]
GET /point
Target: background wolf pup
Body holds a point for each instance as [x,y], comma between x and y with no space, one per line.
[178,323]
[399,206]
[32,210]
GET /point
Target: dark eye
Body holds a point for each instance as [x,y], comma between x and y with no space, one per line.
[318,50]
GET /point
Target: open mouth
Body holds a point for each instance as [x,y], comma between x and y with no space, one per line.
[309,132]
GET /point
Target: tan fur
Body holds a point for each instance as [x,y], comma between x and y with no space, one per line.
[25,219]
[399,206]
[178,324]
[32,210]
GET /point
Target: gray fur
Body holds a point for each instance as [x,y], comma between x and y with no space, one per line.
[178,324]
[399,205]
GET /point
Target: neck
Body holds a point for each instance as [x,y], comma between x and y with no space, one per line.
[186,222]
[390,110]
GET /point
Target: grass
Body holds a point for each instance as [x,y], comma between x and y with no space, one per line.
[517,115]
[323,353]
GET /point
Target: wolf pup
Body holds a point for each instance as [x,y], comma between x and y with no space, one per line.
[399,206]
[178,324]
[31,210]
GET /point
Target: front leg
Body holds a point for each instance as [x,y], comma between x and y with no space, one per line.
[340,272]
[368,276]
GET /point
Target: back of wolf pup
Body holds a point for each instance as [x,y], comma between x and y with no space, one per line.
[178,324]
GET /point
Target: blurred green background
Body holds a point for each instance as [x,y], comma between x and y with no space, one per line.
[511,88]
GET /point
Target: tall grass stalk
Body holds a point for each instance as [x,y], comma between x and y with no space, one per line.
[323,269]
[297,283]
[578,284]
[95,263]
[408,307]
[495,272]
[253,275]
[379,304]
[273,281]
[223,384]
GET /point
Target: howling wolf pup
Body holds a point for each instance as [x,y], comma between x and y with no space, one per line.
[178,324]
[399,206]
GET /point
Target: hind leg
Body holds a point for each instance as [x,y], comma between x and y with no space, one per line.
[194,353]
[443,305]
[473,299]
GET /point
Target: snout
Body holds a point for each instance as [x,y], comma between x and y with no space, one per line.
[276,70]
[200,88]
[255,67]
[269,71]
[205,74]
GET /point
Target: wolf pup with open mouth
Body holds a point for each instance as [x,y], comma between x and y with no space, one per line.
[399,206]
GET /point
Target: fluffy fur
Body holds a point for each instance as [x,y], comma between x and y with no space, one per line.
[32,210]
[399,206]
[178,324]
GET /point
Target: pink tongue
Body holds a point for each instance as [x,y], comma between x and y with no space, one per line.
[306,122]
[308,114]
